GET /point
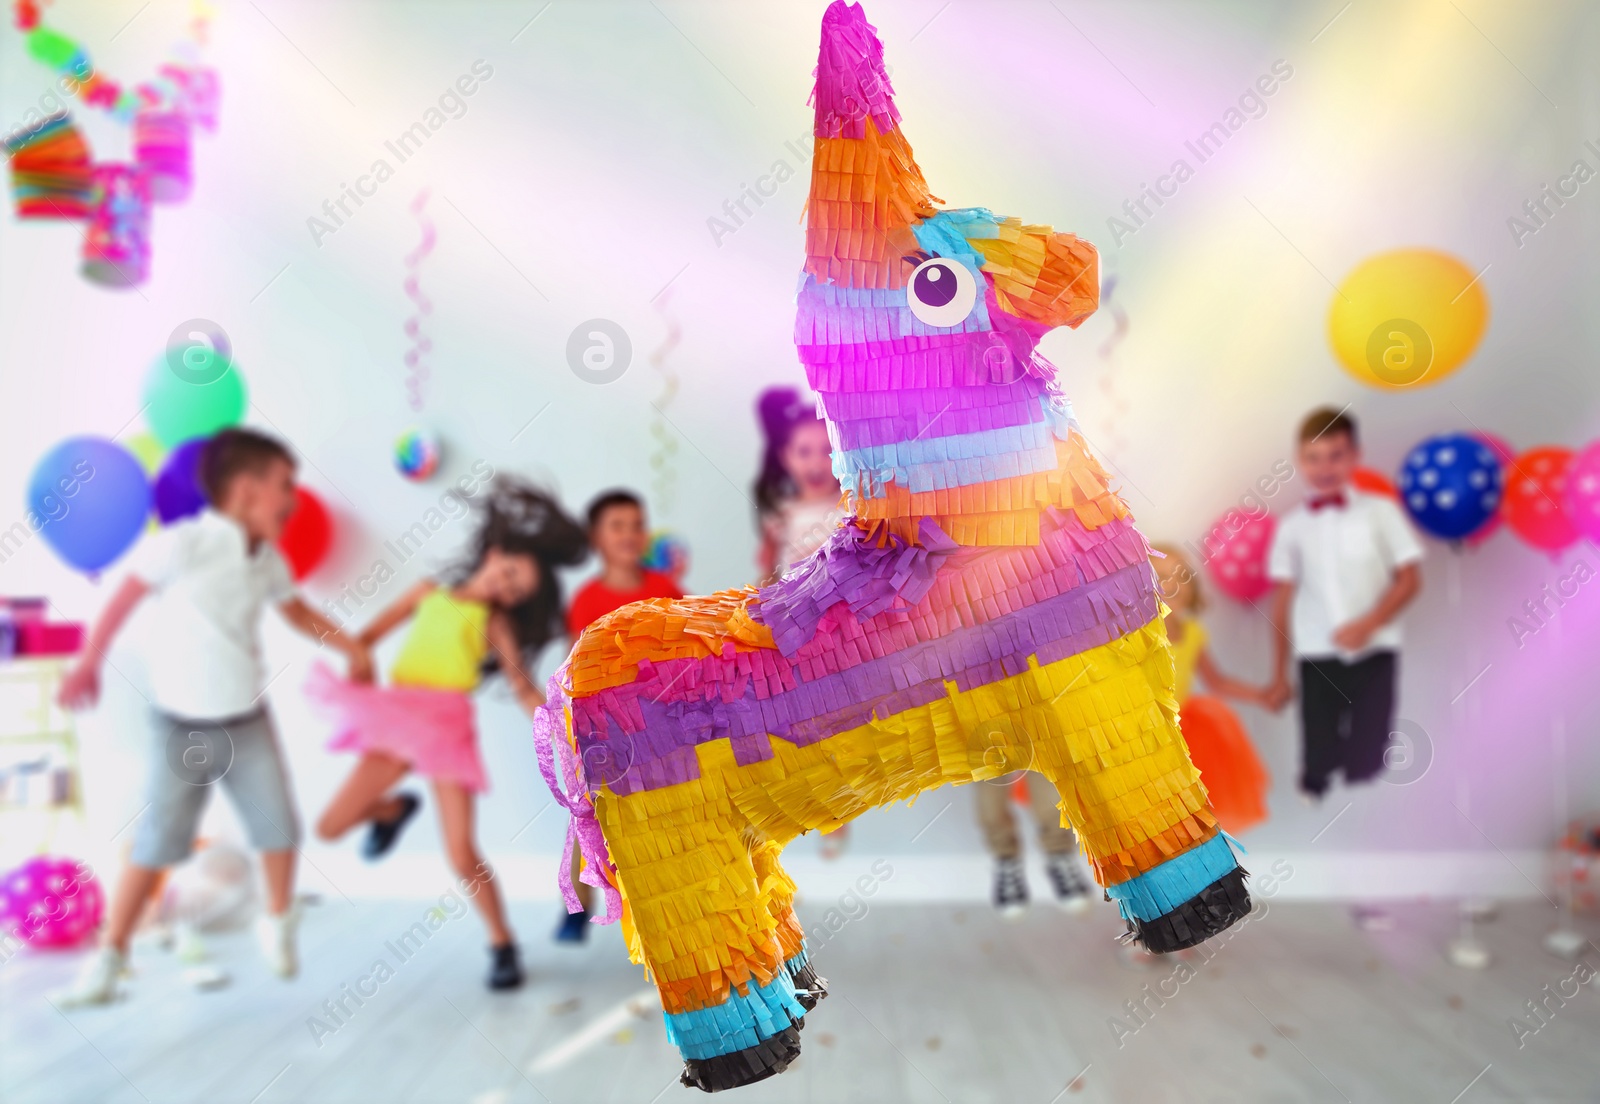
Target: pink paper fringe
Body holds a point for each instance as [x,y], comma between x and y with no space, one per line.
[550,741]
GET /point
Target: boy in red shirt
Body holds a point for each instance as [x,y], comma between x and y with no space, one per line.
[617,531]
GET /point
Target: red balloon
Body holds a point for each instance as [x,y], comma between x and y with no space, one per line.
[1236,554]
[307,535]
[1506,454]
[1534,507]
[1373,482]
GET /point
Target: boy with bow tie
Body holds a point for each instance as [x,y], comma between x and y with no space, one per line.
[1346,564]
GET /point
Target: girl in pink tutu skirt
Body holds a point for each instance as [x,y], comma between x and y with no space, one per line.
[494,615]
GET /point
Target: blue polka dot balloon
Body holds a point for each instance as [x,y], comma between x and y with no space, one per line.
[1451,485]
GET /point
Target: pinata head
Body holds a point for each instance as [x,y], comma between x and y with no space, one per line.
[916,323]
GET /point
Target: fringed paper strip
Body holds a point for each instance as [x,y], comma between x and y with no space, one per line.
[161,148]
[851,82]
[1040,275]
[52,175]
[550,741]
[116,247]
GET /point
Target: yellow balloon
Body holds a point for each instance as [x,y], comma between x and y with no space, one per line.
[1407,318]
[147,450]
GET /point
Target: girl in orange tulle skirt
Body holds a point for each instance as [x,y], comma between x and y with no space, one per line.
[1218,744]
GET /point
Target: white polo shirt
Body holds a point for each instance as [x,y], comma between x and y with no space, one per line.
[205,640]
[1341,560]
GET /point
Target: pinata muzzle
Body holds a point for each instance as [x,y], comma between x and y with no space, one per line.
[1008,286]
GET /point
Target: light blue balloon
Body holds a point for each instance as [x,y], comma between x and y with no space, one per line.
[89,498]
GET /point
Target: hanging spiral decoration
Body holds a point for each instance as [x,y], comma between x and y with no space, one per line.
[417,356]
[664,477]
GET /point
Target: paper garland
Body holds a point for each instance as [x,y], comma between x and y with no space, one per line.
[53,174]
[183,87]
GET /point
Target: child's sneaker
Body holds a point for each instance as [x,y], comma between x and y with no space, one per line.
[276,936]
[1072,888]
[1010,888]
[505,970]
[382,834]
[97,981]
[574,927]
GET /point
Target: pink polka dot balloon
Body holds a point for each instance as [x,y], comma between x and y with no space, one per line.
[1583,491]
[50,902]
[1236,554]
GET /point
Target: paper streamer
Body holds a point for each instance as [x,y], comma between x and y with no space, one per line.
[1115,406]
[663,458]
[172,89]
[418,355]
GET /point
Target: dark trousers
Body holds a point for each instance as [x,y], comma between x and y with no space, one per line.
[1346,718]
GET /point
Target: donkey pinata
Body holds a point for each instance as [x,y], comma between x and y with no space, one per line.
[988,606]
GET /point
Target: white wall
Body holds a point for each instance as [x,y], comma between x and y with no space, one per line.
[579,183]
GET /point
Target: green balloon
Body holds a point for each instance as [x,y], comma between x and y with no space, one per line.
[194,397]
[55,50]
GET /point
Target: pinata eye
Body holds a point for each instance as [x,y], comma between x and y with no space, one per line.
[941,292]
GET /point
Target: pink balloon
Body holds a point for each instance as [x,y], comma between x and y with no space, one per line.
[1583,491]
[50,902]
[1236,554]
[1505,453]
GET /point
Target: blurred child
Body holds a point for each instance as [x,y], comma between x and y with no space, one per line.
[1219,747]
[798,502]
[1059,844]
[618,532]
[211,576]
[496,614]
[1346,564]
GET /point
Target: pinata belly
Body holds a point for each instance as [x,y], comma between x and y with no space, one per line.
[835,691]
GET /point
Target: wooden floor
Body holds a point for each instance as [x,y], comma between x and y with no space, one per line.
[928,1004]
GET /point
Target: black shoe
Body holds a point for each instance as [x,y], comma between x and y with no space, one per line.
[382,834]
[1010,888]
[574,927]
[505,971]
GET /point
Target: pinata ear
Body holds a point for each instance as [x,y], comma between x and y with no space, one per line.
[866,189]
[852,84]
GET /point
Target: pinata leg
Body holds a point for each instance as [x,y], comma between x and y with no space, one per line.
[712,921]
[808,987]
[1113,750]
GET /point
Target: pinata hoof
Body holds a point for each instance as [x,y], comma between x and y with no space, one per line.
[808,987]
[1214,909]
[744,1067]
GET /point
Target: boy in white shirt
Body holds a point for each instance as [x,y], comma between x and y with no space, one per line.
[1346,564]
[211,576]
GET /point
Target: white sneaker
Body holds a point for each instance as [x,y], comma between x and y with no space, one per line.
[276,935]
[97,981]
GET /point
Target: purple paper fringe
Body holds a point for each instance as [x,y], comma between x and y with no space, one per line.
[1076,590]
